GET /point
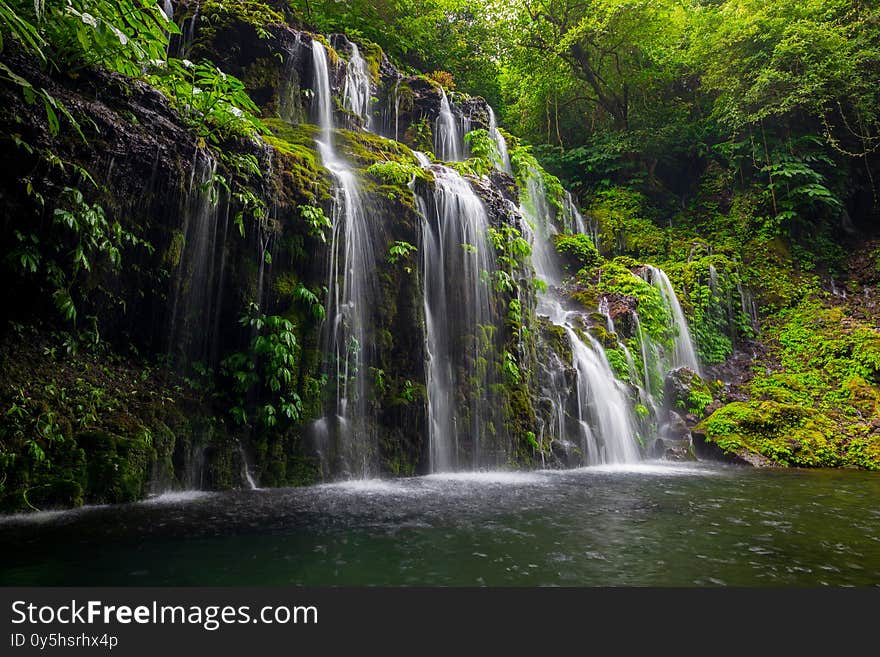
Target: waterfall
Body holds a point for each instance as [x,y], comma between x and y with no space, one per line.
[604,416]
[196,296]
[539,219]
[323,99]
[357,93]
[457,303]
[352,291]
[650,363]
[446,137]
[685,353]
[500,142]
[573,221]
[245,469]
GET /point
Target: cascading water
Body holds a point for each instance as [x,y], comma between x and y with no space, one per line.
[352,291]
[685,355]
[604,416]
[357,92]
[447,146]
[538,217]
[457,303]
[573,221]
[500,142]
[197,289]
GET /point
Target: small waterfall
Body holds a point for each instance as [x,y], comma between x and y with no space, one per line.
[685,353]
[500,142]
[358,93]
[196,297]
[391,113]
[246,470]
[457,303]
[573,221]
[605,309]
[650,364]
[536,211]
[323,99]
[352,291]
[447,146]
[747,304]
[604,416]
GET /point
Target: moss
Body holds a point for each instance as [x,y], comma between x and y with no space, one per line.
[786,434]
[606,338]
[557,339]
[300,176]
[52,494]
[172,255]
[364,149]
[118,468]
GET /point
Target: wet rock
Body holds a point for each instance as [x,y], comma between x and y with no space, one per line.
[685,392]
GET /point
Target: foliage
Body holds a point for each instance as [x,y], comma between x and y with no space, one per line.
[578,248]
[316,308]
[266,371]
[79,240]
[256,14]
[394,172]
[444,79]
[318,222]
[214,104]
[454,36]
[616,278]
[400,251]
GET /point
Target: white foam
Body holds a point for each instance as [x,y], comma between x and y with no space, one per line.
[36,517]
[644,468]
[177,496]
[379,486]
[487,477]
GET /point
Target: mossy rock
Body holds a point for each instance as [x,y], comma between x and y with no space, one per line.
[300,177]
[603,336]
[787,435]
[118,468]
[364,149]
[685,392]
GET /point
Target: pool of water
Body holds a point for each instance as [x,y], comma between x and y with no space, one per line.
[650,524]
